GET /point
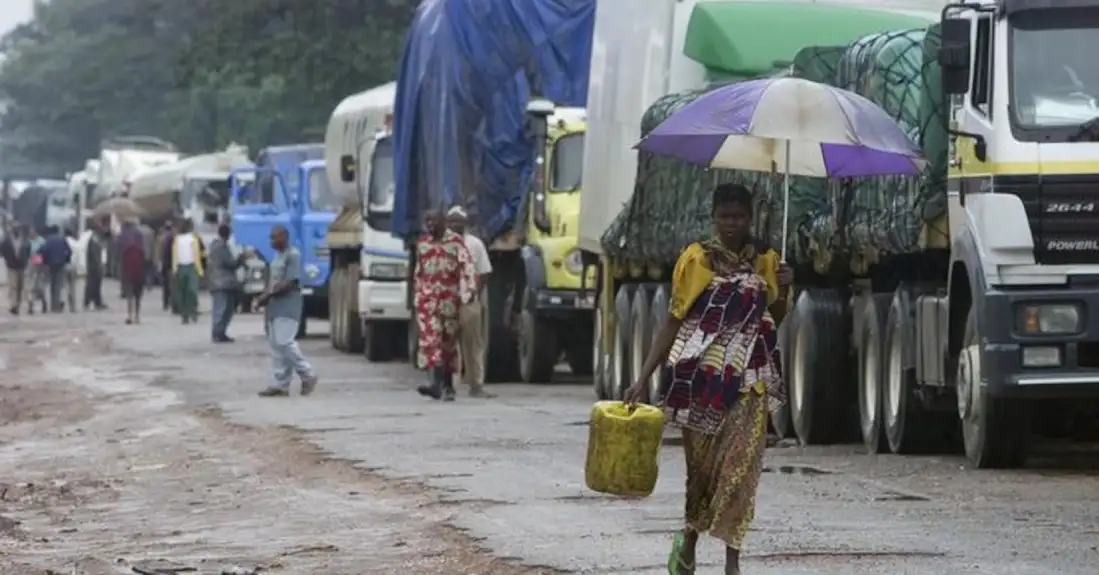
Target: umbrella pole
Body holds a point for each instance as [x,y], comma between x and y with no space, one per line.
[786,202]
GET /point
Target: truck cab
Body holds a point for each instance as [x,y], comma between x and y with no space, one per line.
[318,208]
[1014,334]
[551,311]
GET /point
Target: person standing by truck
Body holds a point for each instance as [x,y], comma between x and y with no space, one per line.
[224,284]
[167,278]
[16,251]
[471,342]
[444,279]
[728,296]
[56,255]
[282,303]
[93,268]
[131,249]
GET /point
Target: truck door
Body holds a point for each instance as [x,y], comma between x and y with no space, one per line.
[318,209]
[255,214]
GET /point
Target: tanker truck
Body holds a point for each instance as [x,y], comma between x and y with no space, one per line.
[369,265]
[506,147]
[943,312]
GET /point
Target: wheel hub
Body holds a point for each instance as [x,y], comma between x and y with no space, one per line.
[969,370]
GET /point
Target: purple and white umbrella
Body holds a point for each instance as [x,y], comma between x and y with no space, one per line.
[786,125]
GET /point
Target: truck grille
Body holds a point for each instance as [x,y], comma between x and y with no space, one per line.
[1063,212]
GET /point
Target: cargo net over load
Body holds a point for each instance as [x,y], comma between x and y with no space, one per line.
[850,221]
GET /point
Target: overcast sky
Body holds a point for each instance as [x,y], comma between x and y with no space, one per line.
[14,12]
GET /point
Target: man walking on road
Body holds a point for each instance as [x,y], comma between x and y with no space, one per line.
[167,279]
[56,256]
[282,303]
[93,269]
[187,259]
[16,251]
[471,342]
[223,283]
[37,277]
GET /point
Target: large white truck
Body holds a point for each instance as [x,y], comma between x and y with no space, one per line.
[369,266]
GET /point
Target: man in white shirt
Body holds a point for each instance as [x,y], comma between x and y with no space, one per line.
[471,341]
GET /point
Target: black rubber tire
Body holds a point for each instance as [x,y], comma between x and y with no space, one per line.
[502,354]
[871,352]
[819,367]
[997,437]
[658,316]
[412,343]
[640,329]
[303,327]
[335,324]
[909,427]
[353,340]
[618,374]
[599,371]
[781,424]
[538,349]
[377,341]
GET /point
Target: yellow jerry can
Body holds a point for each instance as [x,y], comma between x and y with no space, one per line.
[624,448]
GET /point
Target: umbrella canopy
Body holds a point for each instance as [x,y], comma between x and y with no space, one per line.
[121,208]
[786,125]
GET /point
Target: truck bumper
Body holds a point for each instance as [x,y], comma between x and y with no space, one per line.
[253,277]
[383,300]
[1003,347]
[553,302]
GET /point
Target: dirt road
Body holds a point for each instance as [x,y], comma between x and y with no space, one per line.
[124,445]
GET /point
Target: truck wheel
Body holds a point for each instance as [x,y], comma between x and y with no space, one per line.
[658,316]
[538,350]
[620,377]
[335,303]
[995,430]
[871,368]
[780,418]
[819,366]
[502,357]
[907,424]
[640,331]
[413,342]
[244,304]
[377,341]
[349,310]
[599,373]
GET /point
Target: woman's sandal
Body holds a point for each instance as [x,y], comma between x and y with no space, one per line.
[676,564]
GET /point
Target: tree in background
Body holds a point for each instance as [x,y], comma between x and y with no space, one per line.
[201,73]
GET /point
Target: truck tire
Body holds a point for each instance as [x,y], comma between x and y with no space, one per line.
[908,425]
[818,370]
[871,368]
[619,379]
[413,342]
[995,430]
[354,341]
[658,316]
[377,341]
[335,303]
[502,355]
[641,336]
[599,371]
[303,327]
[244,304]
[780,418]
[538,349]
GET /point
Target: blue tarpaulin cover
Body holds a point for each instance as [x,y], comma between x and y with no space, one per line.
[468,69]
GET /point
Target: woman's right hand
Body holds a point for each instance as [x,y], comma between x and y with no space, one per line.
[637,393]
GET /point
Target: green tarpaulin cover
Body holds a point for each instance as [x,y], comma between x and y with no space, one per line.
[856,220]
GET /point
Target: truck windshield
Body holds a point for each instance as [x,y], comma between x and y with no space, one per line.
[383,181]
[1054,82]
[321,197]
[568,163]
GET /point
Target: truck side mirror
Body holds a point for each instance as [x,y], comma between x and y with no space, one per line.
[954,55]
[347,168]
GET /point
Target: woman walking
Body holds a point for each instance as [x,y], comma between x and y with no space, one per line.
[131,247]
[728,295]
[444,280]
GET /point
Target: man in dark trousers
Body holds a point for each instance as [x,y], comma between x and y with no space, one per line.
[167,278]
[56,255]
[16,251]
[93,270]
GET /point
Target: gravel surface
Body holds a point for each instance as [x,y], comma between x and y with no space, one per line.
[123,446]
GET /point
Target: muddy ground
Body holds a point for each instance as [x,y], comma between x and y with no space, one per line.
[124,446]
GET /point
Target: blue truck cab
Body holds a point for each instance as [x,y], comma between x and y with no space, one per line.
[276,192]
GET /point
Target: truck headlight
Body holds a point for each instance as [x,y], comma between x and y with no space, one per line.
[256,274]
[388,271]
[574,262]
[1049,319]
[312,271]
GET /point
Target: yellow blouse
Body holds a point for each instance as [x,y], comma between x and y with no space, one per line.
[692,275]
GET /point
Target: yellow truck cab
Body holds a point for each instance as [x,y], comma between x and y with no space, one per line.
[547,310]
